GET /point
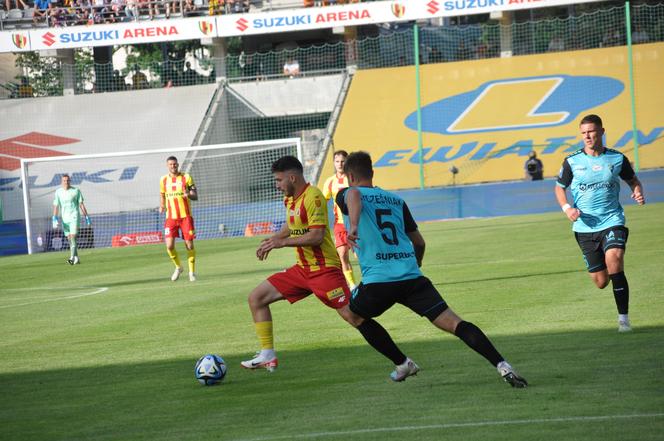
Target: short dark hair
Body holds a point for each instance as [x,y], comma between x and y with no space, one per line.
[343,153]
[65,175]
[172,158]
[287,163]
[592,119]
[359,164]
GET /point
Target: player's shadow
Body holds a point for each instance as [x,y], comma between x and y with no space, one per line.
[516,276]
[342,387]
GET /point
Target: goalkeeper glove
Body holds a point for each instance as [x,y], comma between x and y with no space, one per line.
[88,222]
[55,222]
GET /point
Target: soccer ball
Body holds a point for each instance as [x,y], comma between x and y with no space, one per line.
[210,369]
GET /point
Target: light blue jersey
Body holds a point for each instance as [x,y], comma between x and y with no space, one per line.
[595,185]
[385,251]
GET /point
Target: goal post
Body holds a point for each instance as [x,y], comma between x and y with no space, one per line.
[235,186]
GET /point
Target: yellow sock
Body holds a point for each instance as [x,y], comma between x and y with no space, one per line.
[350,278]
[173,254]
[191,259]
[264,333]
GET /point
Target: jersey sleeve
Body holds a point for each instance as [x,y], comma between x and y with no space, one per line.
[56,199]
[316,207]
[79,196]
[626,170]
[408,220]
[565,175]
[162,185]
[189,181]
[341,200]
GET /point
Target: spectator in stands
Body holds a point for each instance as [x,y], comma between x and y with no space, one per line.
[117,82]
[188,8]
[534,168]
[19,4]
[166,5]
[58,15]
[613,37]
[556,44]
[216,7]
[139,80]
[189,75]
[640,35]
[131,10]
[25,90]
[115,11]
[238,6]
[291,67]
[41,10]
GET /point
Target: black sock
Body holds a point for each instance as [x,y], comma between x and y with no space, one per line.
[620,291]
[477,341]
[381,340]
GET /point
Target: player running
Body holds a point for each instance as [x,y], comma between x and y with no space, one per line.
[330,189]
[593,175]
[177,189]
[69,203]
[390,249]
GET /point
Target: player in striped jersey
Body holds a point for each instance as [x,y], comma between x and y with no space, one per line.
[317,271]
[330,189]
[177,189]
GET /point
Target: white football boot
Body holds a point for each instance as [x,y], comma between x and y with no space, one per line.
[192,277]
[404,370]
[624,325]
[176,274]
[260,361]
[510,376]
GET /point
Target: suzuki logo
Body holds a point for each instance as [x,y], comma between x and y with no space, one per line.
[48,39]
[432,7]
[24,146]
[545,101]
[242,24]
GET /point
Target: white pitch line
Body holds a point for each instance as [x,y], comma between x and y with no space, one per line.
[96,291]
[455,425]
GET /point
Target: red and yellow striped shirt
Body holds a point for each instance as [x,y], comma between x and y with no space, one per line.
[173,188]
[306,211]
[332,186]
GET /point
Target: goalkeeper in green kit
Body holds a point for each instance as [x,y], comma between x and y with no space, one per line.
[69,202]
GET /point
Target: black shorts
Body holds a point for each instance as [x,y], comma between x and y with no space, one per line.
[418,294]
[594,245]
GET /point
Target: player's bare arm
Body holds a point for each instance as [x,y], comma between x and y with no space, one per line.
[162,203]
[354,205]
[637,190]
[419,244]
[561,196]
[84,211]
[265,246]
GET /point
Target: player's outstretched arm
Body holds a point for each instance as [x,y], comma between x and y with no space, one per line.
[637,190]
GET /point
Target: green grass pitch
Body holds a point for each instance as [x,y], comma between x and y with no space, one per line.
[105,350]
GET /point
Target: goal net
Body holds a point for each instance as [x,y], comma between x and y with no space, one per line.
[236,193]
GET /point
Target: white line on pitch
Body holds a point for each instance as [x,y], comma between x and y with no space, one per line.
[455,425]
[96,291]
